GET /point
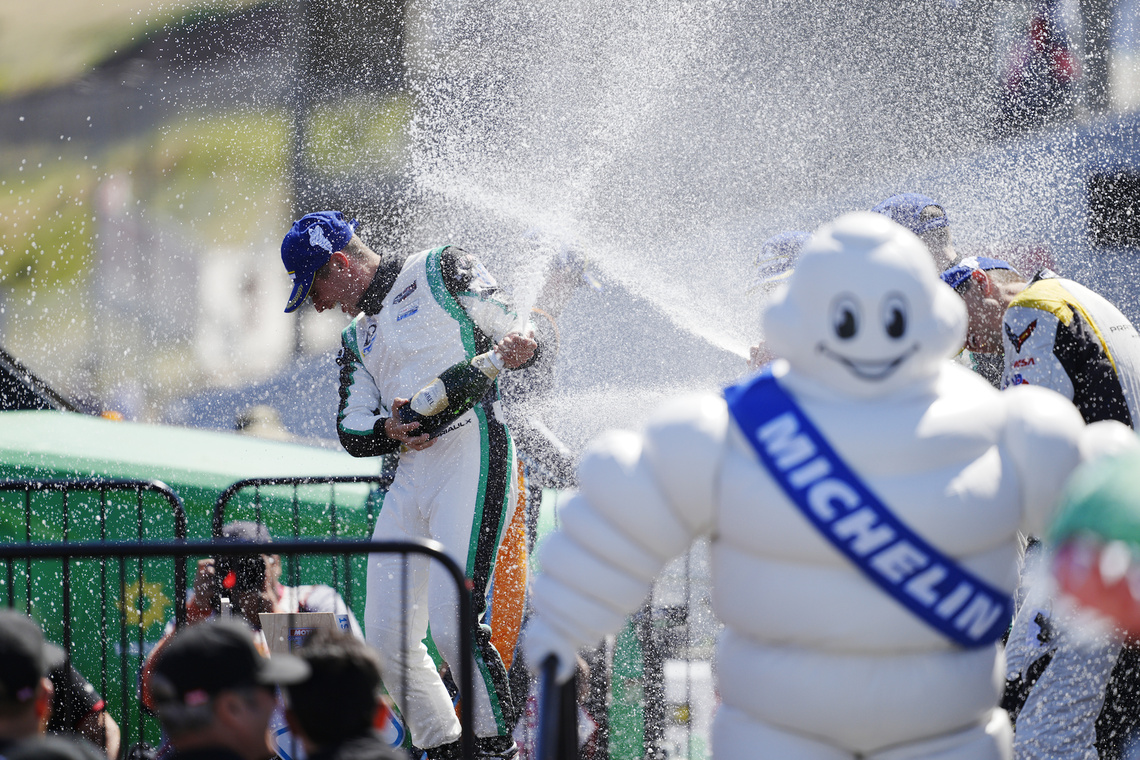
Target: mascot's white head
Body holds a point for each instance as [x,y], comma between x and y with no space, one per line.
[864,311]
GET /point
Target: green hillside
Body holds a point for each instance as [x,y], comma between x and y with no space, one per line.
[217,179]
[50,42]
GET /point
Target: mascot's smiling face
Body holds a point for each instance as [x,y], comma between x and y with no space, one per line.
[864,312]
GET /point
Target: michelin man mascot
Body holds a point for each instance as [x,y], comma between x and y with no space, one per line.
[863,498]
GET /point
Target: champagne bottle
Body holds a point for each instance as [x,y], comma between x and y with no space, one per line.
[457,389]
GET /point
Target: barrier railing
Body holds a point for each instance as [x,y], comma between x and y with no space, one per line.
[74,552]
[256,484]
[646,690]
[96,509]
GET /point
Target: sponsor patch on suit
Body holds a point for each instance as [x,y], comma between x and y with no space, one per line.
[1018,339]
[405,293]
[369,338]
[408,310]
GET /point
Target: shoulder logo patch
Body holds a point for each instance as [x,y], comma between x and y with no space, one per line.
[369,338]
[1018,340]
[405,293]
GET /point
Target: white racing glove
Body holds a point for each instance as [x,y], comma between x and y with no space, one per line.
[540,640]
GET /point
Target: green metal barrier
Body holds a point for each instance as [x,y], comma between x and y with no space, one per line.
[123,555]
[198,465]
[119,609]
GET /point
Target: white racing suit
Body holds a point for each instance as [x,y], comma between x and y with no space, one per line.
[816,662]
[440,308]
[1060,335]
[1056,677]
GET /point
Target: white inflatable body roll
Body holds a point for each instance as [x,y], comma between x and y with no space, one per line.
[736,737]
[618,482]
[1042,436]
[869,703]
[579,520]
[585,618]
[576,566]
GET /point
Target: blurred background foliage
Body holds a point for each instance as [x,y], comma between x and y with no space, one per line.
[54,41]
[146,167]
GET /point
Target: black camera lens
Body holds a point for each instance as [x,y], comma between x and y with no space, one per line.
[240,573]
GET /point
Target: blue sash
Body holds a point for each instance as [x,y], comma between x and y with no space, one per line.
[949,598]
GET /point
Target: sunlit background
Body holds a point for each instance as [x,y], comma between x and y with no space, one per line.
[152,155]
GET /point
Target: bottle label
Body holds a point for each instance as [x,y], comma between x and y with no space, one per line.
[431,399]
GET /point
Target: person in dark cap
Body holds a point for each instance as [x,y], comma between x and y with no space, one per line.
[926,218]
[214,693]
[25,690]
[26,659]
[77,708]
[333,711]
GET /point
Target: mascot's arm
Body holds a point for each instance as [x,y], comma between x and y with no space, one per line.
[643,500]
[1107,438]
[1047,440]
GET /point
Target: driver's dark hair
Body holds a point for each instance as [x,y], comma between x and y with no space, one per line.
[338,700]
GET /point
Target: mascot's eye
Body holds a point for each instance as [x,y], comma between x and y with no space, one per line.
[845,317]
[894,315]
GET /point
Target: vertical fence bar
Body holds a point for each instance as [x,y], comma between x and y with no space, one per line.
[180,560]
[687,649]
[139,607]
[595,703]
[28,539]
[69,708]
[654,685]
[294,569]
[103,596]
[66,577]
[124,650]
[333,534]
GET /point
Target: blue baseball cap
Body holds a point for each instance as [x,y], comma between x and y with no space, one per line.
[960,272]
[309,245]
[777,257]
[916,212]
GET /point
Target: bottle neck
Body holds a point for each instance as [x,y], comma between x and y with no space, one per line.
[490,364]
